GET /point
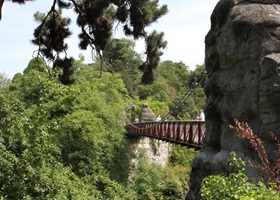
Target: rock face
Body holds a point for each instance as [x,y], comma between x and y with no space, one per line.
[242,59]
[156,151]
[146,114]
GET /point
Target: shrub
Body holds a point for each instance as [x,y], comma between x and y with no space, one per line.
[270,170]
[235,185]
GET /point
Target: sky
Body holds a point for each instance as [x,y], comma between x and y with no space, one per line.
[185,27]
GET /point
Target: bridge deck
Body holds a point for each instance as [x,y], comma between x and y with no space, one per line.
[188,133]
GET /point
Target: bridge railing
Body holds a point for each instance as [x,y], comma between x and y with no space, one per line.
[190,133]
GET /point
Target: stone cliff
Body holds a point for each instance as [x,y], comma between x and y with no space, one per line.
[242,58]
[156,151]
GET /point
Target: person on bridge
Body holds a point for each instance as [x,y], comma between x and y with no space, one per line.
[158,118]
[201,116]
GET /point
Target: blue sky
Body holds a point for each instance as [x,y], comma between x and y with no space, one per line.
[185,27]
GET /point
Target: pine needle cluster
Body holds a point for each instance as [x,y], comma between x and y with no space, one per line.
[96,20]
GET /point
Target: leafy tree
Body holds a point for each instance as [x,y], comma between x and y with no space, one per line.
[175,85]
[150,181]
[63,142]
[30,168]
[4,80]
[177,75]
[96,19]
[29,84]
[182,155]
[194,97]
[198,77]
[186,110]
[180,163]
[154,42]
[120,55]
[160,90]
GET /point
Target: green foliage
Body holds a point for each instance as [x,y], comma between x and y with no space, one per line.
[4,80]
[195,74]
[155,43]
[182,155]
[196,96]
[177,75]
[123,59]
[159,91]
[63,141]
[153,182]
[172,80]
[30,85]
[187,110]
[36,65]
[120,54]
[150,181]
[179,81]
[235,185]
[30,168]
[178,176]
[68,141]
[199,98]
[180,163]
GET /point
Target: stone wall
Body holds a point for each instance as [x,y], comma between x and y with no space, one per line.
[242,58]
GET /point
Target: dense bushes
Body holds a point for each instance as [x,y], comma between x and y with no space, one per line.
[236,185]
[62,142]
[153,182]
[68,142]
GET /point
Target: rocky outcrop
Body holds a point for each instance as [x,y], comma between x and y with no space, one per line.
[146,114]
[156,151]
[242,59]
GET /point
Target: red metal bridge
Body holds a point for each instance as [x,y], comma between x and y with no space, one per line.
[187,133]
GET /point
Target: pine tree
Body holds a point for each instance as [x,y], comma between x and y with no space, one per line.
[96,20]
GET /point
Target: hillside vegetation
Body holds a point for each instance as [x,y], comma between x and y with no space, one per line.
[62,141]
